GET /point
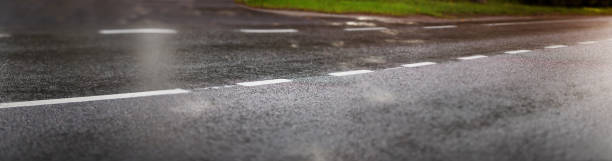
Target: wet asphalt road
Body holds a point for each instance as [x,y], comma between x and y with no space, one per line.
[547,104]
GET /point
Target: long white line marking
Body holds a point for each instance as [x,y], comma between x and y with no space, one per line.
[365,29]
[440,27]
[472,57]
[555,46]
[4,35]
[587,42]
[138,31]
[362,18]
[268,31]
[517,51]
[548,21]
[507,23]
[414,65]
[264,82]
[531,22]
[339,74]
[92,98]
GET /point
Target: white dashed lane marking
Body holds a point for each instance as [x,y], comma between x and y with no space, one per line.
[268,30]
[555,46]
[587,42]
[92,98]
[338,74]
[440,27]
[138,31]
[264,82]
[517,51]
[472,57]
[365,29]
[413,65]
[4,35]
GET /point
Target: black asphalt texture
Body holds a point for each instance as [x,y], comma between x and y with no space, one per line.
[548,104]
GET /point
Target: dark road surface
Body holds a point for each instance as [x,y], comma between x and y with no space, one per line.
[543,104]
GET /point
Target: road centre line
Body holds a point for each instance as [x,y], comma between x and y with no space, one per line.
[365,29]
[353,72]
[92,98]
[517,51]
[472,57]
[587,42]
[555,46]
[268,30]
[264,82]
[414,65]
[138,31]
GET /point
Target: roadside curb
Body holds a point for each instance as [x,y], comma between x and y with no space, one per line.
[416,19]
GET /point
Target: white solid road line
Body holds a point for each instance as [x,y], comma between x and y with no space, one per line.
[138,31]
[413,65]
[264,82]
[587,42]
[555,46]
[472,57]
[268,30]
[440,27]
[339,74]
[548,21]
[517,51]
[536,22]
[509,23]
[92,98]
[365,29]
[4,35]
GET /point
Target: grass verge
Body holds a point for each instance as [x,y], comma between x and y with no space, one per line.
[436,8]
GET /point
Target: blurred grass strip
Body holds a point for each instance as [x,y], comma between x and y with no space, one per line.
[438,8]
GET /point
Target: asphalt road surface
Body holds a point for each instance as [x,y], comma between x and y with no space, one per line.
[210,80]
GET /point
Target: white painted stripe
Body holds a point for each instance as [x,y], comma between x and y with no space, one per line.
[338,74]
[363,18]
[517,51]
[440,27]
[587,42]
[555,46]
[548,21]
[472,57]
[4,35]
[530,22]
[268,30]
[264,82]
[139,31]
[365,29]
[92,98]
[506,23]
[413,65]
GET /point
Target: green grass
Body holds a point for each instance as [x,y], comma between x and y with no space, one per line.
[437,8]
